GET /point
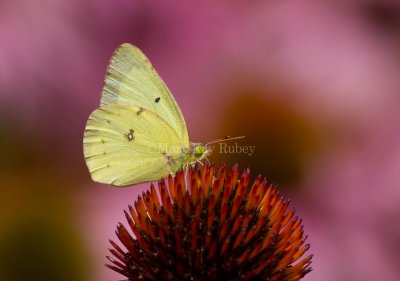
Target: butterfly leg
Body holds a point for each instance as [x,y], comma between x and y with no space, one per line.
[185,167]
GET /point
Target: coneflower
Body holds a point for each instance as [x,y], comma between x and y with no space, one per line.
[215,227]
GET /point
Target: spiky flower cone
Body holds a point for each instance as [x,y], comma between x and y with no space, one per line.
[217,228]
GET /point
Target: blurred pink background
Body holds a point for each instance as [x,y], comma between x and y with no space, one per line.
[313,84]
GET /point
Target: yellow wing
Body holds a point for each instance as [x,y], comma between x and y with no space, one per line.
[127,144]
[131,79]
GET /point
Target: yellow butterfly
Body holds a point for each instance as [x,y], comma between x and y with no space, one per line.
[138,134]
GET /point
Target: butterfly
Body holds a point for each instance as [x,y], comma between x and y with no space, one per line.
[138,134]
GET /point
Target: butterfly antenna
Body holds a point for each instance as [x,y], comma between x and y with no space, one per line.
[227,138]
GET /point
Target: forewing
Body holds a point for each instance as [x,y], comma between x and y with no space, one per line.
[126,144]
[131,79]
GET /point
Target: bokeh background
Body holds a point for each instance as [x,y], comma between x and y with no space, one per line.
[314,85]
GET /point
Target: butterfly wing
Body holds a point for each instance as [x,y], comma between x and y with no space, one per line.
[126,144]
[131,79]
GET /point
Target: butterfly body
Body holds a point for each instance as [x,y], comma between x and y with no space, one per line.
[138,134]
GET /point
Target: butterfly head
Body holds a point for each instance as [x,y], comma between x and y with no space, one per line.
[200,151]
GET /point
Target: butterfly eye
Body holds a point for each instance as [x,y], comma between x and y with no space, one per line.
[157,99]
[198,150]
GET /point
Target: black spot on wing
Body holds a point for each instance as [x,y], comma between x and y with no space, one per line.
[140,111]
[130,135]
[157,100]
